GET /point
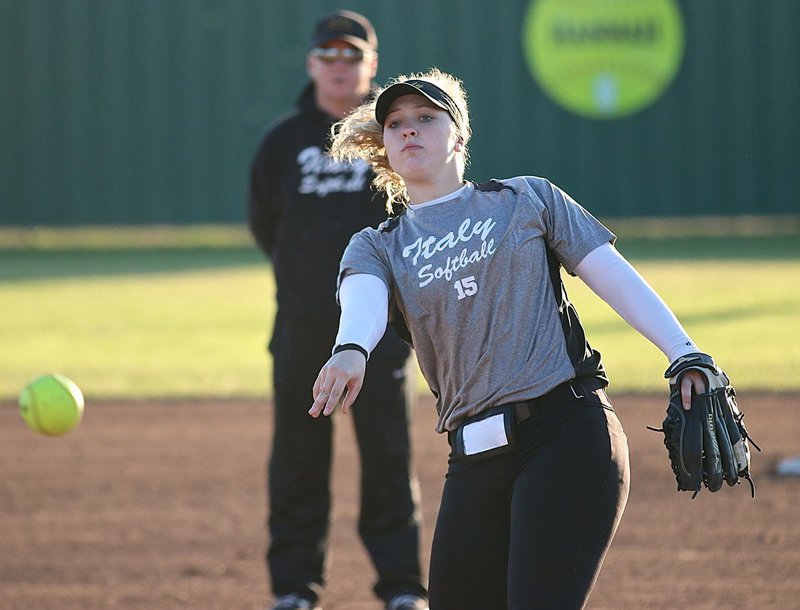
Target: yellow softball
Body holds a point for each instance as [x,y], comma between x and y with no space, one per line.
[51,404]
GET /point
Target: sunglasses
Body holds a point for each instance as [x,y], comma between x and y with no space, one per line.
[329,55]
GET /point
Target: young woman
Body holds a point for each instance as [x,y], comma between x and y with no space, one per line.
[538,472]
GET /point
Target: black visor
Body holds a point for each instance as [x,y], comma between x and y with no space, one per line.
[415,86]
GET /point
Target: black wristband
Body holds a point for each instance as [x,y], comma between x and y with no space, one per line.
[355,346]
[692,360]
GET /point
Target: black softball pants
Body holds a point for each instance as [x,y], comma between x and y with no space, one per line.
[300,466]
[529,529]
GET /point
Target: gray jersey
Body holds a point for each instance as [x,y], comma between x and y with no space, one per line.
[476,281]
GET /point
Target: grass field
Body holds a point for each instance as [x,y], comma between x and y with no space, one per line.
[164,318]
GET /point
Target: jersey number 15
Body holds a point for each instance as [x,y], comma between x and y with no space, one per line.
[466,287]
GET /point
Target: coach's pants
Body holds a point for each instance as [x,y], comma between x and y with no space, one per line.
[300,466]
[529,529]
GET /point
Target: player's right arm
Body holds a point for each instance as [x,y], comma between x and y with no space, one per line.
[364,300]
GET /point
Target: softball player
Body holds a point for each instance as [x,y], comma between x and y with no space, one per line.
[538,472]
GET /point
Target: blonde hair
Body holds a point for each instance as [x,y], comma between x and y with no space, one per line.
[359,136]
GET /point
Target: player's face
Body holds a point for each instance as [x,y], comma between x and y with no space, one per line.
[341,72]
[420,140]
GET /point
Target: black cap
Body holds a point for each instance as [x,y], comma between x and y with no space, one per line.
[348,26]
[416,86]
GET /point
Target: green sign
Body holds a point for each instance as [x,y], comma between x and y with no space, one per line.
[603,59]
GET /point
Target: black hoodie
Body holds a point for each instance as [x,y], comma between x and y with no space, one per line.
[303,209]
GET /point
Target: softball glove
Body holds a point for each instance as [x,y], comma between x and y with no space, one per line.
[708,444]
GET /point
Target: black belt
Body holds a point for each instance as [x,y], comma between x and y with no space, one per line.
[569,390]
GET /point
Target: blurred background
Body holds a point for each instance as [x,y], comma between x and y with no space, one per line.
[143,112]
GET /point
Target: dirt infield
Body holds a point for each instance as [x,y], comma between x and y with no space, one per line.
[161,506]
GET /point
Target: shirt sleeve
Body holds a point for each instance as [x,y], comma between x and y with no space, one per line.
[571,231]
[363,255]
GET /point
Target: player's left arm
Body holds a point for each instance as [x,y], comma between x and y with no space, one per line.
[617,282]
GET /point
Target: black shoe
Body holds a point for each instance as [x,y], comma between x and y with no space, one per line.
[295,602]
[407,602]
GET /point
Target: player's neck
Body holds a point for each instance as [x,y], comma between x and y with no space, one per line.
[423,192]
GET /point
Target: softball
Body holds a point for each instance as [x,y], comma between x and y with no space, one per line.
[51,404]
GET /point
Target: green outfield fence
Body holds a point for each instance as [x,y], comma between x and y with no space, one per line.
[147,112]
